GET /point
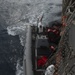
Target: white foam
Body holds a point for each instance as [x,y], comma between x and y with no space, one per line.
[19,69]
[17,30]
[10,32]
[22,40]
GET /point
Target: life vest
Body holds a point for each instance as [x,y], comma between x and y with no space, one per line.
[42,61]
[54,31]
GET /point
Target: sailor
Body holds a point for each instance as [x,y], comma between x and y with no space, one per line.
[50,70]
[53,35]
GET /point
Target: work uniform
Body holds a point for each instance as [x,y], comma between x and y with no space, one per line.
[53,35]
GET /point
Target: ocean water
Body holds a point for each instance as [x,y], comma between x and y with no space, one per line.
[14,16]
[10,51]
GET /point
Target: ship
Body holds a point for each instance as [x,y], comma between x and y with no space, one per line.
[65,54]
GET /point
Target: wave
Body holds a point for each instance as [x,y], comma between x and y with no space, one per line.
[19,69]
[18,30]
